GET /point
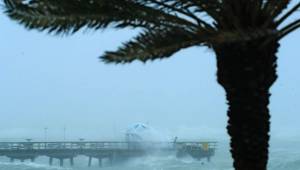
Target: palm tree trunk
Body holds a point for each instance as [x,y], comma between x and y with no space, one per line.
[247,71]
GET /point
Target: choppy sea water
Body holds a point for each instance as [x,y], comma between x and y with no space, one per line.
[283,156]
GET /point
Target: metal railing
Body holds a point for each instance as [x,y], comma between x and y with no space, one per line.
[100,145]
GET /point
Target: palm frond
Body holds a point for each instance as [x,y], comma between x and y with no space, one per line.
[71,15]
[209,7]
[151,45]
[229,20]
[273,8]
[159,44]
[286,15]
[187,8]
[289,28]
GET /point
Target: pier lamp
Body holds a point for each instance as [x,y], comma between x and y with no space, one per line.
[28,140]
[81,144]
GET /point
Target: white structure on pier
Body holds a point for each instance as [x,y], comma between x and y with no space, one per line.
[137,133]
[141,132]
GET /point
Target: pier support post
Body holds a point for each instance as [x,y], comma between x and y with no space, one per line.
[208,159]
[111,160]
[90,161]
[32,159]
[50,161]
[72,161]
[100,162]
[12,160]
[61,162]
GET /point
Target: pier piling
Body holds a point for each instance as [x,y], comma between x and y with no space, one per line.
[50,161]
[90,161]
[72,161]
[111,160]
[100,162]
[61,162]
[12,160]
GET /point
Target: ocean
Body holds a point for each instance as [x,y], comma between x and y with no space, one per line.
[283,156]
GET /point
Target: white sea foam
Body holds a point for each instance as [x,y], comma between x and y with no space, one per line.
[282,157]
[28,166]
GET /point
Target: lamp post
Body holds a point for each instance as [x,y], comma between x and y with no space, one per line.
[45,133]
[64,133]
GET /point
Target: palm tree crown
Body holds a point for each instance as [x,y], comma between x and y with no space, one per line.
[167,25]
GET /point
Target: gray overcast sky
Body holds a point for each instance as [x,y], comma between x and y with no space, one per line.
[54,81]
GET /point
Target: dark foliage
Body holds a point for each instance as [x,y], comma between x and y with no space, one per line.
[194,22]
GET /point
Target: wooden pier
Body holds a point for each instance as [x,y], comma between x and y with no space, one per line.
[112,151]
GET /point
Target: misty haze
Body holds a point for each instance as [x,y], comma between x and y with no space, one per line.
[170,114]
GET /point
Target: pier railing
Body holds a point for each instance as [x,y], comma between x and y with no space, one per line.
[97,145]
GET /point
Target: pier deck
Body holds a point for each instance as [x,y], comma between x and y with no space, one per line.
[113,151]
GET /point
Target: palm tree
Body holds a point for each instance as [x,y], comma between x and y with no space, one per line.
[244,35]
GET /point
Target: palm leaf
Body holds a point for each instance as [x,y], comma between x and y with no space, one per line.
[71,15]
[289,13]
[151,45]
[289,28]
[273,8]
